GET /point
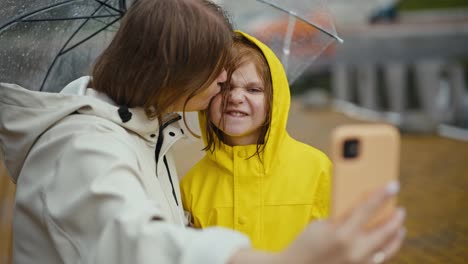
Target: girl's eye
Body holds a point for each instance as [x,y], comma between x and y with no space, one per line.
[254,90]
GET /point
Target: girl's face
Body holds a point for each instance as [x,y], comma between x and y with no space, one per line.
[245,112]
[201,100]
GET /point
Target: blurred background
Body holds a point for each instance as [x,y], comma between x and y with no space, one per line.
[402,62]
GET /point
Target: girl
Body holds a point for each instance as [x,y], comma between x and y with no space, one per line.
[255,178]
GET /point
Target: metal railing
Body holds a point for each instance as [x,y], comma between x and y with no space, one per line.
[410,73]
[428,96]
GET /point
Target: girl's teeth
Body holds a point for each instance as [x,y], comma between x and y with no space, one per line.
[237,114]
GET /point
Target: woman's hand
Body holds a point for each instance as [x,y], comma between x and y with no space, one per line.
[349,241]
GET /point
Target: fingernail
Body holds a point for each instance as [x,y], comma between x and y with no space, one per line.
[393,187]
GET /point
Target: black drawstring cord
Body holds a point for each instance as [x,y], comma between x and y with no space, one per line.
[170,179]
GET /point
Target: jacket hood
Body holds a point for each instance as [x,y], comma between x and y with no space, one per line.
[25,115]
[280,111]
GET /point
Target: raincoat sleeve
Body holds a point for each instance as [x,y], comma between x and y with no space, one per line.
[96,209]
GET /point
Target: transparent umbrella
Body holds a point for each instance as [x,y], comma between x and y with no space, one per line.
[44,44]
[298,31]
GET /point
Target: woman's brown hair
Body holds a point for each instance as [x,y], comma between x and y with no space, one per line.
[243,51]
[164,50]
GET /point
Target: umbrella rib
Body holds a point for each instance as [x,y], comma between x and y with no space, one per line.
[66,18]
[302,19]
[68,41]
[107,11]
[90,36]
[109,6]
[67,50]
[18,19]
[63,50]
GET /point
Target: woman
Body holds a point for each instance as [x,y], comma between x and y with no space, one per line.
[95,178]
[254,177]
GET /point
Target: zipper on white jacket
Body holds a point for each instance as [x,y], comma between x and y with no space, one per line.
[157,152]
[161,136]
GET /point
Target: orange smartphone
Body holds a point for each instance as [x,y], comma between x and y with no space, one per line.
[365,157]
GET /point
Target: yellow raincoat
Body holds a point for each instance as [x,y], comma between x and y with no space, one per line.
[272,201]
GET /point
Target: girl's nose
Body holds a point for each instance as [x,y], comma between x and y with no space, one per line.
[236,96]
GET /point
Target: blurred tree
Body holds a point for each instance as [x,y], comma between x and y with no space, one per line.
[311,81]
[431,4]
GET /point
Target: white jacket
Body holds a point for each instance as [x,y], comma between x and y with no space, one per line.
[89,188]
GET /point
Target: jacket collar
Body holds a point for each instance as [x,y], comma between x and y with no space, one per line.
[104,107]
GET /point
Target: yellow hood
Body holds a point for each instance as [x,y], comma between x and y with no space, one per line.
[280,111]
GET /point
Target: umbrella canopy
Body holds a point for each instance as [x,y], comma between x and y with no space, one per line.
[298,31]
[47,43]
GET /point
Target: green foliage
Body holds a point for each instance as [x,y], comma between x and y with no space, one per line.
[309,81]
[431,4]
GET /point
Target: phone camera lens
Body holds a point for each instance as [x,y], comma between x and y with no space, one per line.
[351,148]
